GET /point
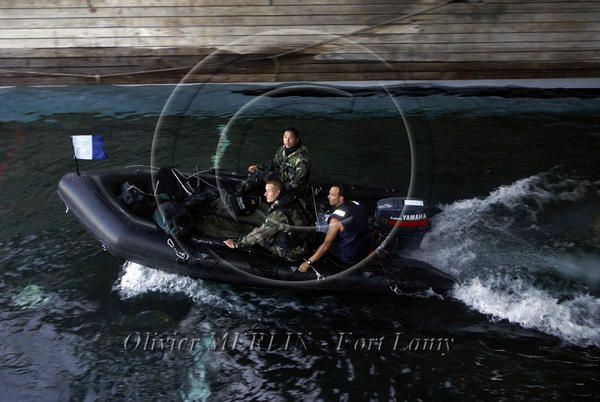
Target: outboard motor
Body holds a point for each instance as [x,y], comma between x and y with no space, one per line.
[410,216]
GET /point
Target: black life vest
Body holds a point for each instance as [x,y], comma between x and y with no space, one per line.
[352,244]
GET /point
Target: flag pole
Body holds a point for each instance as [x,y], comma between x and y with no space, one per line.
[75,157]
[76,165]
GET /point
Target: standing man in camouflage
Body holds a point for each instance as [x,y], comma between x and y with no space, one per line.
[284,231]
[291,164]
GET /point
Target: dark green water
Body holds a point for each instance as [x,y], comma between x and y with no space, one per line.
[517,177]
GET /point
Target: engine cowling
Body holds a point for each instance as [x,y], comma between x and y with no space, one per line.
[411,217]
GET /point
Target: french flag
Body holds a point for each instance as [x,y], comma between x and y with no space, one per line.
[89,147]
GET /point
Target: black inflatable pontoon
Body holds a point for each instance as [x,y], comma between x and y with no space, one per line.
[93,198]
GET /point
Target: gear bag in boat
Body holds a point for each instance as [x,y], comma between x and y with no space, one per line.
[174,219]
[172,185]
[243,204]
[137,201]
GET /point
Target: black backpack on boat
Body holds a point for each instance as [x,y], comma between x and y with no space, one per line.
[243,204]
[136,200]
[172,185]
[174,219]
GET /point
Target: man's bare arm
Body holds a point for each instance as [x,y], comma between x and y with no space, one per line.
[335,225]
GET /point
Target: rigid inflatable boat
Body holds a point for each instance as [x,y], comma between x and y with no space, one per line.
[93,198]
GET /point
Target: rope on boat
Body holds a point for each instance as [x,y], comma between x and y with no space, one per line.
[181,256]
[320,277]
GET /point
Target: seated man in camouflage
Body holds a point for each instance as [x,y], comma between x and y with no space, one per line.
[284,231]
[291,164]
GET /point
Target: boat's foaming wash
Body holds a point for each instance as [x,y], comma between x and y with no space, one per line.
[525,253]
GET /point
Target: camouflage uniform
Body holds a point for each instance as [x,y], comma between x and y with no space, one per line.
[293,170]
[281,233]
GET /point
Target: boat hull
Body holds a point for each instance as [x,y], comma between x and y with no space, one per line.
[92,199]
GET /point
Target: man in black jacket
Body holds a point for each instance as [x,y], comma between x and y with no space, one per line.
[348,238]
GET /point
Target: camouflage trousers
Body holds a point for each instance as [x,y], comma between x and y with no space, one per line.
[293,254]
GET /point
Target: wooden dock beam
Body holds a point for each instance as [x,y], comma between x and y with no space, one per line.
[121,42]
